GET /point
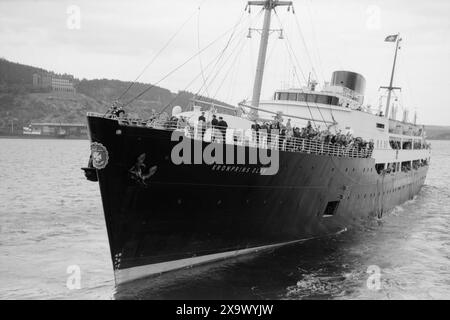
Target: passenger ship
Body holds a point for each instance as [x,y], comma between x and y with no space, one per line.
[163,215]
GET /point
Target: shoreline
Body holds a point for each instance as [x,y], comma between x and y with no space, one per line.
[40,137]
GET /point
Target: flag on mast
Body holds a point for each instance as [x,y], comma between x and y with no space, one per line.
[391,38]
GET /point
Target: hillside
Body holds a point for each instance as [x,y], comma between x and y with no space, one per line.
[23,108]
[18,110]
[21,103]
[438,132]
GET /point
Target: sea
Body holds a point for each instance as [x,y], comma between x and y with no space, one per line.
[53,242]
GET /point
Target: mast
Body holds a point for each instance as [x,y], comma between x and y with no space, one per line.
[268,5]
[391,88]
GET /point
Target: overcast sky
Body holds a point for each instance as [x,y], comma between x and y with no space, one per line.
[117,39]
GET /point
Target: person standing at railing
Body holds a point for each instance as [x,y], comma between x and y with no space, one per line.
[223,125]
[214,124]
[263,134]
[269,134]
[288,126]
[309,128]
[255,133]
[171,124]
[202,124]
[276,130]
[282,140]
[181,124]
[202,117]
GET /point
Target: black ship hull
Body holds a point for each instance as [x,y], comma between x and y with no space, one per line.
[172,216]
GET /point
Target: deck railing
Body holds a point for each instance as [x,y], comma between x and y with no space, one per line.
[249,137]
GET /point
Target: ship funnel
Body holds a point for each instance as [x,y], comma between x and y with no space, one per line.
[351,80]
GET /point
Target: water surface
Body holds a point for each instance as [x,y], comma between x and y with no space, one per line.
[51,218]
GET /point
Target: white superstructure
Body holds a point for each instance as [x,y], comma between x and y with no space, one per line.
[336,108]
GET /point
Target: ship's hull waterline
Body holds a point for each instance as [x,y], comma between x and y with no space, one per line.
[186,214]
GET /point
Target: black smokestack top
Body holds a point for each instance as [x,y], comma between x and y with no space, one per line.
[351,80]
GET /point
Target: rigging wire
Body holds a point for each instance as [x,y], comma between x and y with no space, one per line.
[298,79]
[291,55]
[216,72]
[180,66]
[216,60]
[188,85]
[237,57]
[290,47]
[235,73]
[198,48]
[306,47]
[222,53]
[250,20]
[159,52]
[315,46]
[241,44]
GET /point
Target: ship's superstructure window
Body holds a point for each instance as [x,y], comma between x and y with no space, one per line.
[307,97]
[292,96]
[407,144]
[283,96]
[301,97]
[311,98]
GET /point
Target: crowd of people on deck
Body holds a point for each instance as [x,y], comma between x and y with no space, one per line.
[403,167]
[271,134]
[289,136]
[408,145]
[218,127]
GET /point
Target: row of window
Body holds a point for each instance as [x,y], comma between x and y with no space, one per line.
[63,89]
[404,166]
[307,97]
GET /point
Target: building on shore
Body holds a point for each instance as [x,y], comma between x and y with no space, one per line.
[54,82]
[62,130]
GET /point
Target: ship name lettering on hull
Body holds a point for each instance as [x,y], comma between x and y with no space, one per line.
[219,153]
